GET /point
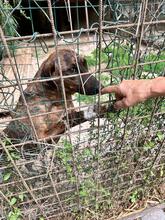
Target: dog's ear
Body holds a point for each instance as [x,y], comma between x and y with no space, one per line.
[49,67]
[83,61]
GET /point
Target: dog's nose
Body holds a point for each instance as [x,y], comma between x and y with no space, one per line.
[99,88]
[91,85]
[95,89]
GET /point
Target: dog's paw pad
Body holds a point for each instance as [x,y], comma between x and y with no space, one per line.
[90,113]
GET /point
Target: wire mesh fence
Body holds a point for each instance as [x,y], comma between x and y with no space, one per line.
[64,151]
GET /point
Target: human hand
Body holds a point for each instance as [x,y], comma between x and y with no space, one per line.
[129,92]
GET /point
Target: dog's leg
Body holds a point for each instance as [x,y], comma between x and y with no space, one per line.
[92,112]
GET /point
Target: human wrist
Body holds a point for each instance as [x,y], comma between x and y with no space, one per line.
[157,87]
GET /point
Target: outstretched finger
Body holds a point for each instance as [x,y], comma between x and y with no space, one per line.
[111,89]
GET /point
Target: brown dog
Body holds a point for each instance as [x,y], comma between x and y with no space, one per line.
[47,96]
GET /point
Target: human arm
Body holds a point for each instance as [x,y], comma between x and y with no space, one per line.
[130,92]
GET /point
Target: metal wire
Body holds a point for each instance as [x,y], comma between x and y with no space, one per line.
[100,168]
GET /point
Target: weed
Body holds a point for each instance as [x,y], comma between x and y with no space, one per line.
[14,215]
[9,24]
[7,176]
[84,161]
[65,155]
[134,196]
[118,55]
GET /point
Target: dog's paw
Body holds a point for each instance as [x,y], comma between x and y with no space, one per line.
[90,113]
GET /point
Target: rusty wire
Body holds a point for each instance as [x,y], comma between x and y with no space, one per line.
[112,160]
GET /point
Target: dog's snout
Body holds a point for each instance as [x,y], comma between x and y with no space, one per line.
[91,85]
[92,91]
[95,88]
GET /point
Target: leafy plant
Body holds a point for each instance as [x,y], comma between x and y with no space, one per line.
[156,68]
[14,215]
[21,197]
[134,196]
[7,20]
[118,55]
[83,160]
[15,155]
[8,23]
[149,145]
[65,155]
[13,201]
[7,176]
[160,135]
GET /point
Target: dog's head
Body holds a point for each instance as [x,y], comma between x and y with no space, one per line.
[72,67]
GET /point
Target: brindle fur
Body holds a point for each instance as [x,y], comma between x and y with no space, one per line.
[48,97]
